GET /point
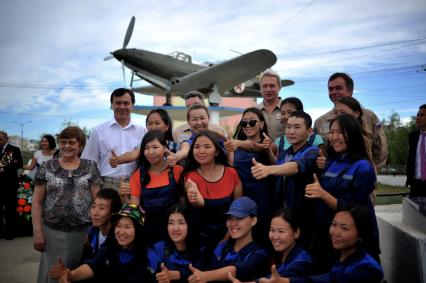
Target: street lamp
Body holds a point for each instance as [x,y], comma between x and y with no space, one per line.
[22,131]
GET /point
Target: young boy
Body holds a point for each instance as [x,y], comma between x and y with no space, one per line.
[239,256]
[106,203]
[288,106]
[297,165]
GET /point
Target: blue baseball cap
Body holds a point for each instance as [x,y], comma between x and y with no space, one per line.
[242,207]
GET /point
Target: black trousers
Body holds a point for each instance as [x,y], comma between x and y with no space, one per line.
[8,213]
[418,188]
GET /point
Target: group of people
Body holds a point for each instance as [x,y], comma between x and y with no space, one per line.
[279,201]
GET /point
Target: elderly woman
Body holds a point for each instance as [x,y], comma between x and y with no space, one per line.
[63,193]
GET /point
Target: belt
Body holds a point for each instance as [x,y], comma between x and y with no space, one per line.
[111,180]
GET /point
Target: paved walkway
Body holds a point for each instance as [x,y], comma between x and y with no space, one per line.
[18,260]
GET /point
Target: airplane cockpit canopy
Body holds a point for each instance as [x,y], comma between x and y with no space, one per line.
[181,56]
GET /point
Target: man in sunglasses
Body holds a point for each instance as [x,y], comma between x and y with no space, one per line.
[270,86]
[183,132]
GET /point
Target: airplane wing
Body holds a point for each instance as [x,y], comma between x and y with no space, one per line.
[227,74]
[251,90]
[150,90]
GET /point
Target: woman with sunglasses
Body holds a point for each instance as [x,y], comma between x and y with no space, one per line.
[253,128]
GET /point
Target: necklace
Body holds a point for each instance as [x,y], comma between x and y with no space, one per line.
[213,175]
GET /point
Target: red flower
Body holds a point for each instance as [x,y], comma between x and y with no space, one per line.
[22,202]
[19,209]
[27,186]
[27,208]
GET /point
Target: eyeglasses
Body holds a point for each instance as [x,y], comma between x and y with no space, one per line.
[251,123]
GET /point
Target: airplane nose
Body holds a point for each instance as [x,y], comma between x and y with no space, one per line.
[120,54]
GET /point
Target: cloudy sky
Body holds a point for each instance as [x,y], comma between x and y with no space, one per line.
[52,52]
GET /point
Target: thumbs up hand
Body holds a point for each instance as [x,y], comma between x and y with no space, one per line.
[113,161]
[197,276]
[164,275]
[259,170]
[193,193]
[321,159]
[171,158]
[229,145]
[314,190]
[267,142]
[57,270]
[232,278]
[275,277]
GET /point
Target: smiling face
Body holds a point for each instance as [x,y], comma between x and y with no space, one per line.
[296,131]
[337,138]
[155,122]
[125,232]
[69,147]
[252,132]
[122,107]
[286,110]
[239,228]
[44,143]
[198,119]
[282,235]
[204,150]
[337,89]
[270,87]
[343,232]
[100,212]
[177,228]
[154,151]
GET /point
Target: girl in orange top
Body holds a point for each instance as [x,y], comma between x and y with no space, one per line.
[210,185]
[153,185]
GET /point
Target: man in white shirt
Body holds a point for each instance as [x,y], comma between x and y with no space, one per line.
[119,135]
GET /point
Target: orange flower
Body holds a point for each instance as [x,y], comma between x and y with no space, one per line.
[22,202]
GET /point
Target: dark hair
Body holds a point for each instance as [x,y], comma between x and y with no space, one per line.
[423,106]
[352,133]
[349,81]
[194,93]
[292,217]
[196,107]
[120,92]
[305,116]
[142,162]
[353,104]
[51,140]
[192,239]
[111,195]
[361,217]
[295,101]
[239,131]
[191,164]
[139,244]
[73,132]
[166,119]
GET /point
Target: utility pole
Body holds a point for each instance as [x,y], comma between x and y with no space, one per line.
[22,131]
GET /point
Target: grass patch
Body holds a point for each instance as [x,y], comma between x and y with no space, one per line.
[387,189]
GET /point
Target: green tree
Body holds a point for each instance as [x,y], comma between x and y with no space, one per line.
[397,137]
[67,123]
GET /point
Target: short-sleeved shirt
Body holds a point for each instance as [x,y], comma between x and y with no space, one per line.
[41,157]
[273,120]
[157,180]
[68,197]
[316,142]
[183,132]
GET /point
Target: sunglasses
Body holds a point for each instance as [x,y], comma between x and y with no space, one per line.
[251,123]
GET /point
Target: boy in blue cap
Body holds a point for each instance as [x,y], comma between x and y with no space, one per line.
[239,256]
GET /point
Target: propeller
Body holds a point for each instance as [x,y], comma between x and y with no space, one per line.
[129,32]
[124,71]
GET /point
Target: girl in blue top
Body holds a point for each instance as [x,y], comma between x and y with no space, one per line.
[289,257]
[170,259]
[349,232]
[348,178]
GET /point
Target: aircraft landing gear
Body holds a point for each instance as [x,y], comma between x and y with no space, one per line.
[168,99]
